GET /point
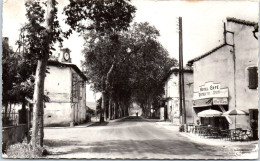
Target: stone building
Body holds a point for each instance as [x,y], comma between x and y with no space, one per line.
[172,107]
[66,88]
[226,77]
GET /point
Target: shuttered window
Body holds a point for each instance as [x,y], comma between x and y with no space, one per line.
[253,78]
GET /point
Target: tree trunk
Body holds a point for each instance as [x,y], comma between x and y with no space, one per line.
[102,108]
[37,127]
[115,110]
[110,109]
[6,109]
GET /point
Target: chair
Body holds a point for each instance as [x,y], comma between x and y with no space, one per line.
[215,132]
[203,131]
[236,134]
[225,134]
[247,134]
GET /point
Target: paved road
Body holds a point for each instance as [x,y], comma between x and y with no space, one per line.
[129,138]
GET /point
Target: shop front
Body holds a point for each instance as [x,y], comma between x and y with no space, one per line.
[212,102]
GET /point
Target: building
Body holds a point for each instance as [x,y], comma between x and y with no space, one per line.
[66,88]
[226,78]
[171,111]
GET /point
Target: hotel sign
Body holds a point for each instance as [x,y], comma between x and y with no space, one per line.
[210,90]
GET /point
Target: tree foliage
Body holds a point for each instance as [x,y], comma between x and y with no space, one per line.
[43,31]
[36,31]
[18,79]
[99,15]
[139,64]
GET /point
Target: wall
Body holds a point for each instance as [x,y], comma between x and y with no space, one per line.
[188,81]
[218,67]
[172,91]
[63,110]
[79,106]
[162,113]
[57,111]
[246,52]
[57,114]
[246,56]
[13,134]
[58,84]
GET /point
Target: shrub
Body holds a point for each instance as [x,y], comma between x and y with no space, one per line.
[24,150]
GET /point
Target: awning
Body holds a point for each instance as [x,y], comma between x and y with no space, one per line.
[209,113]
[209,102]
[202,102]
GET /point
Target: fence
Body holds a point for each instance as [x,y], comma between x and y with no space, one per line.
[10,118]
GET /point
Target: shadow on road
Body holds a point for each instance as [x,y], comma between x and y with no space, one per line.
[127,119]
[153,147]
[99,124]
[59,143]
[137,119]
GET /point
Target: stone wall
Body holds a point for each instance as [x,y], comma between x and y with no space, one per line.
[13,134]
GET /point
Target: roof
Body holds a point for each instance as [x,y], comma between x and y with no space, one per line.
[175,70]
[243,22]
[206,54]
[59,64]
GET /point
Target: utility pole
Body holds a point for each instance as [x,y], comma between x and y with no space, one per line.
[181,76]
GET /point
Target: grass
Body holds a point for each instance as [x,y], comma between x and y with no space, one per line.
[24,150]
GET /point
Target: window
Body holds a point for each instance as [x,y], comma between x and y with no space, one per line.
[253,77]
[75,91]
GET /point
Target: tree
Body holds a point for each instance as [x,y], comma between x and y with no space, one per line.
[136,63]
[9,61]
[17,78]
[106,18]
[151,64]
[104,66]
[43,31]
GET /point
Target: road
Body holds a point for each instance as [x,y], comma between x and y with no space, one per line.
[130,138]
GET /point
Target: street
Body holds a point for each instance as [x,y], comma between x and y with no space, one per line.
[130,138]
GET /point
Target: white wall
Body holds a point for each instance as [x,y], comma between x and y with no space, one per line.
[58,84]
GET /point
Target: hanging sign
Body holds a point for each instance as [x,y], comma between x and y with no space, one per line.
[220,101]
[210,90]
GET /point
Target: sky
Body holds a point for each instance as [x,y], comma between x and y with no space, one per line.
[202,24]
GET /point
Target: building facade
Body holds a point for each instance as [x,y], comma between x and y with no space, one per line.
[226,77]
[66,88]
[171,111]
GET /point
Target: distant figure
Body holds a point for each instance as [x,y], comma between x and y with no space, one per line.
[137,114]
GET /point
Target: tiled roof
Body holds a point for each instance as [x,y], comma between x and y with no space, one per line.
[59,64]
[176,69]
[206,54]
[243,22]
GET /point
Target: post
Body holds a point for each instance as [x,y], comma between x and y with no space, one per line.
[180,68]
[182,75]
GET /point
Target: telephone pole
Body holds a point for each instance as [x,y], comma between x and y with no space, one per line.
[181,75]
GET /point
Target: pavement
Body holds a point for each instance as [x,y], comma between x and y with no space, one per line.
[134,138]
[244,149]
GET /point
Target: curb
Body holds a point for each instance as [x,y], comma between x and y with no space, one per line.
[213,141]
[91,123]
[115,120]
